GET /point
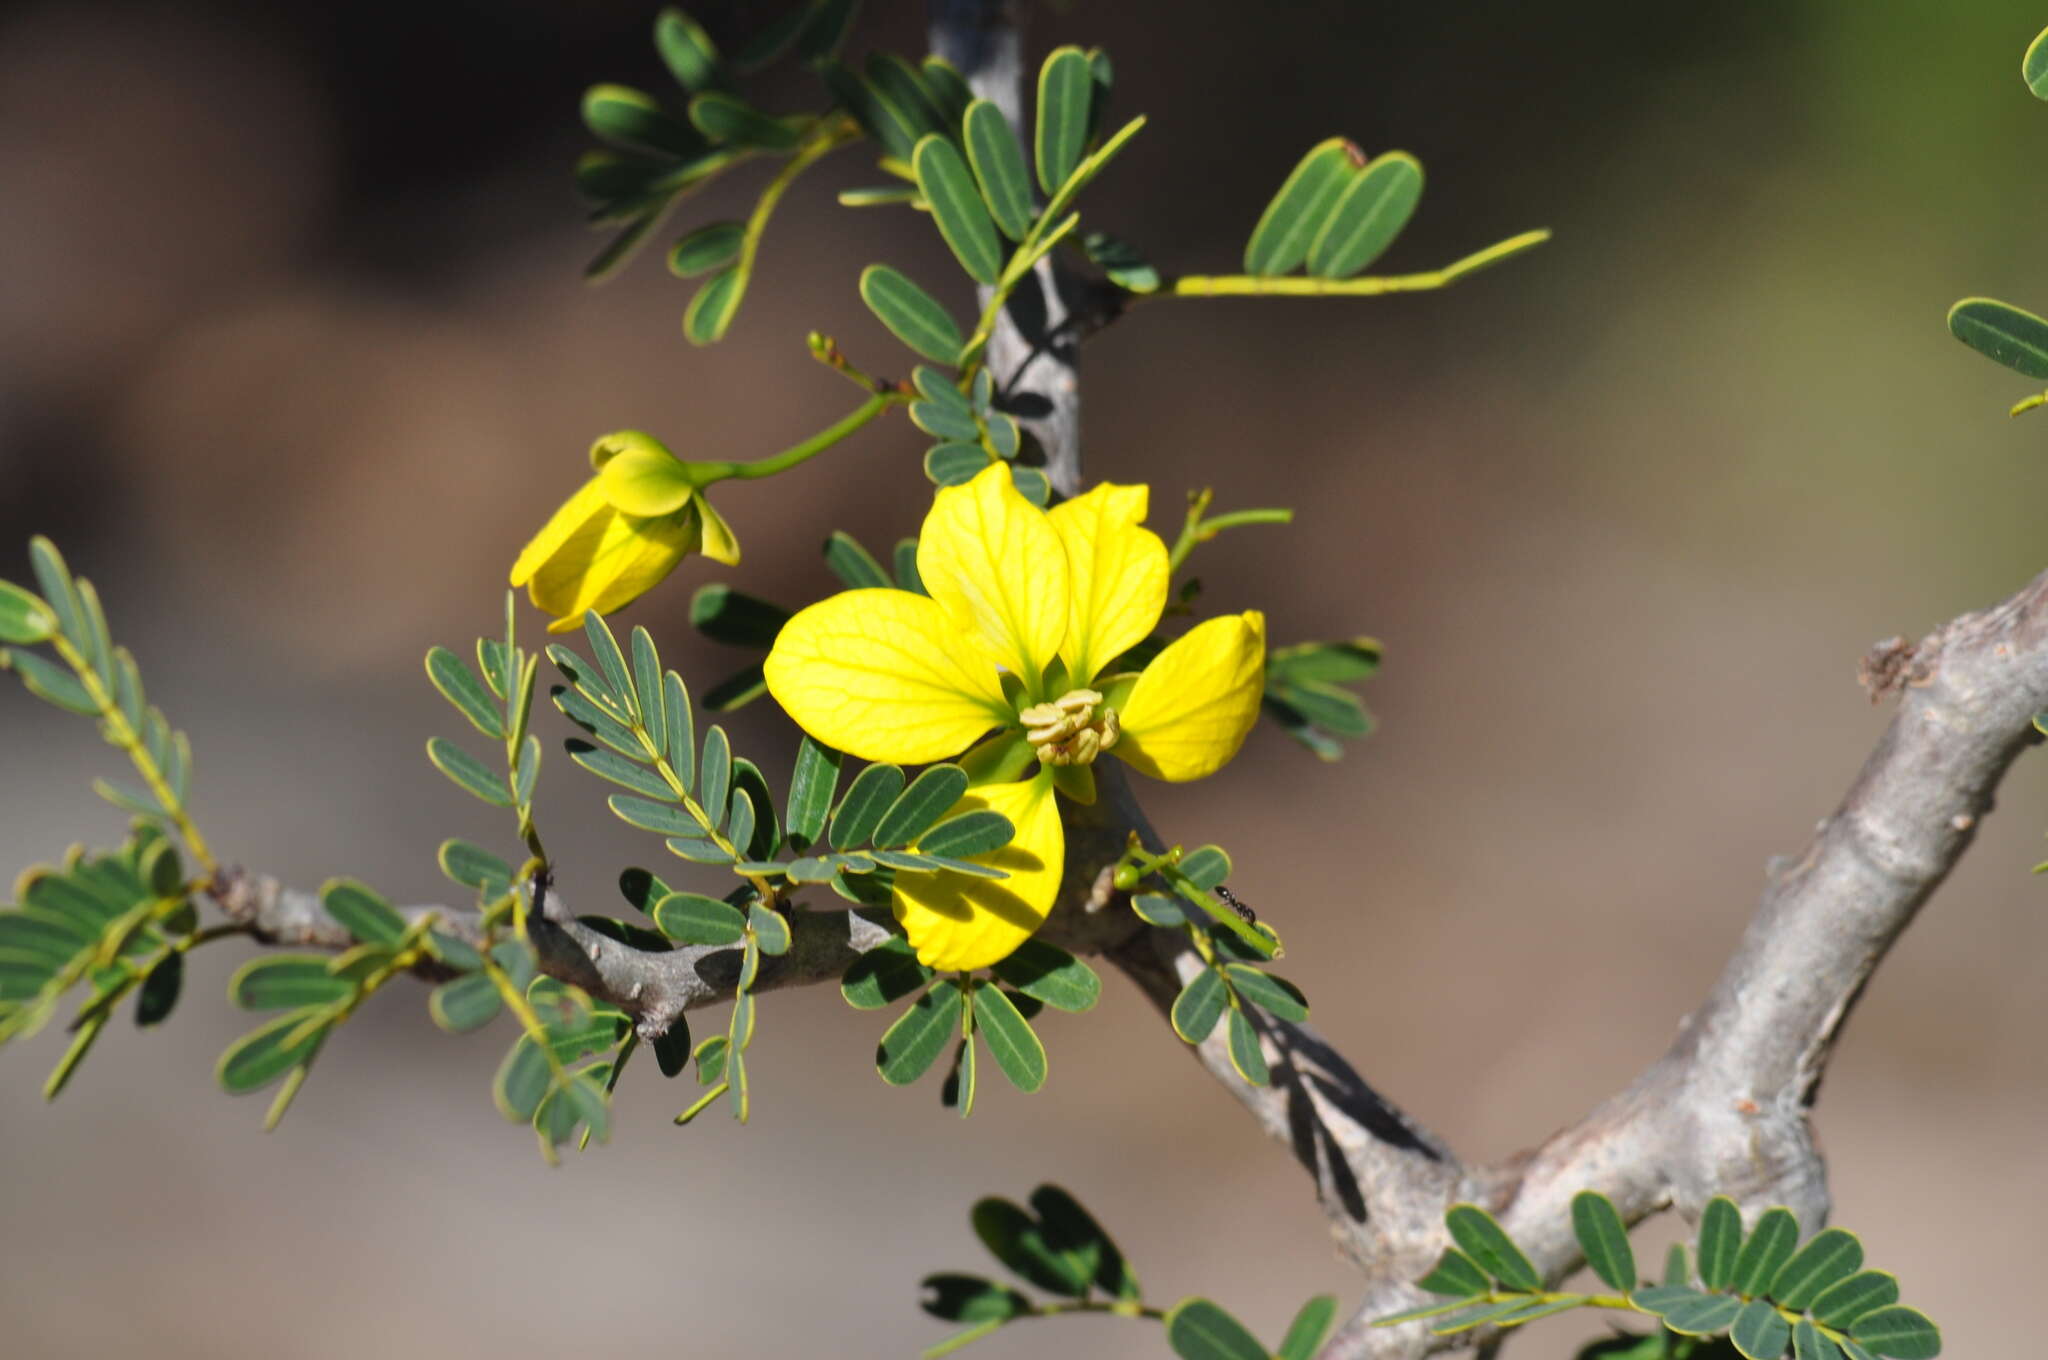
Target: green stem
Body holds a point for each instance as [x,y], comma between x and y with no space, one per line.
[1200,530]
[1252,285]
[809,448]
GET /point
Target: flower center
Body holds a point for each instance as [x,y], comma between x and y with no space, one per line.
[1070,730]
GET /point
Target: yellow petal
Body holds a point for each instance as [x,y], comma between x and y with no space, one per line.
[957,921]
[1117,573]
[621,559]
[994,561]
[575,514]
[643,478]
[1192,707]
[884,674]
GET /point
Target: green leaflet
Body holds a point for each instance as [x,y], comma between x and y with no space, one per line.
[1306,200]
[912,315]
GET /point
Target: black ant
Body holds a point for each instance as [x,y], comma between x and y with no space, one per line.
[1251,918]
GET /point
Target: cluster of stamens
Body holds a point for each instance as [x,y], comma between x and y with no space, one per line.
[1069,730]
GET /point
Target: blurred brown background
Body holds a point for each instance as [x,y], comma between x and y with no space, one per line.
[293,356]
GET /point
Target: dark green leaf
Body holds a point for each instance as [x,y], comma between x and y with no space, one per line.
[1305,1334]
[1769,1247]
[771,930]
[811,786]
[1123,265]
[1154,909]
[855,567]
[883,975]
[1704,1316]
[1334,710]
[160,990]
[912,315]
[1245,1053]
[726,118]
[81,1044]
[878,115]
[734,617]
[262,1055]
[954,464]
[282,981]
[1297,213]
[1206,866]
[930,796]
[53,939]
[1369,213]
[466,1003]
[469,774]
[1809,1344]
[685,49]
[1760,1332]
[2015,338]
[460,686]
[1200,1005]
[672,1048]
[1841,1305]
[1719,1243]
[948,86]
[919,1036]
[969,1298]
[663,818]
[1072,1232]
[24,618]
[904,86]
[1324,662]
[714,772]
[1488,1244]
[761,837]
[1826,1260]
[949,189]
[697,850]
[1050,974]
[621,771]
[632,119]
[581,710]
[1275,995]
[826,30]
[1604,1238]
[521,1082]
[947,422]
[716,303]
[696,919]
[1199,1330]
[50,683]
[1677,1271]
[906,566]
[1031,484]
[999,170]
[60,592]
[1066,90]
[1457,1275]
[2034,65]
[1901,1333]
[1023,1245]
[871,794]
[367,916]
[682,729]
[971,833]
[1009,1037]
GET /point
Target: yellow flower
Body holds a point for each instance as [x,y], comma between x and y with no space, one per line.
[1026,611]
[621,533]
